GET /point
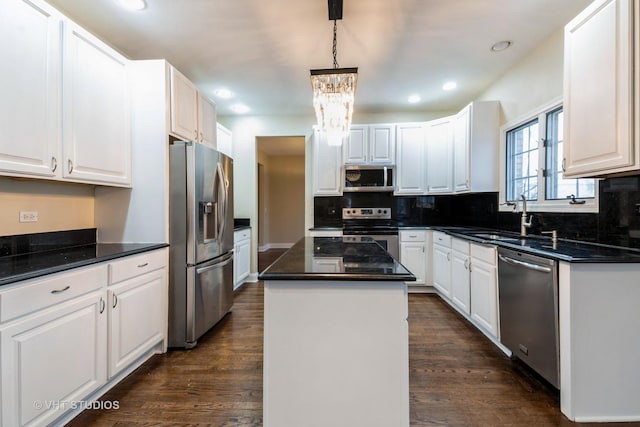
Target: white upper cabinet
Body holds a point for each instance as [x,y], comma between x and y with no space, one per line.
[96,111]
[224,140]
[439,156]
[184,107]
[64,98]
[370,144]
[327,166]
[207,121]
[410,156]
[599,85]
[476,141]
[30,88]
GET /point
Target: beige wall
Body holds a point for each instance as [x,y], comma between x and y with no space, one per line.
[60,206]
[286,201]
[532,83]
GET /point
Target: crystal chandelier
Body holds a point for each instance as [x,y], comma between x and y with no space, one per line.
[334,90]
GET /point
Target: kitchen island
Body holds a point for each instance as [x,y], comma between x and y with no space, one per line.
[336,346]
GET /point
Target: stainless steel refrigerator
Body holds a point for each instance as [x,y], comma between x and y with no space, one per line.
[201,240]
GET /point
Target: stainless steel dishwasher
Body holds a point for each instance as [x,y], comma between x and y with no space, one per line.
[528,295]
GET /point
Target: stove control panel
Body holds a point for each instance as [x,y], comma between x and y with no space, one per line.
[364,213]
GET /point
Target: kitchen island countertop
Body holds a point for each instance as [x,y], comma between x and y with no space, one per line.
[332,258]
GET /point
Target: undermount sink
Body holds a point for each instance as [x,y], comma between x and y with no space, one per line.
[496,236]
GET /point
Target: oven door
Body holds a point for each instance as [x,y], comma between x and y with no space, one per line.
[388,241]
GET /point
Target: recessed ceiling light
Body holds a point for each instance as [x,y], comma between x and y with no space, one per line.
[133,4]
[414,99]
[500,46]
[449,86]
[240,108]
[223,93]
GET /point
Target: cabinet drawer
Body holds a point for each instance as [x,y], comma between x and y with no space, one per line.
[441,238]
[484,253]
[413,235]
[57,288]
[135,265]
[241,235]
[460,245]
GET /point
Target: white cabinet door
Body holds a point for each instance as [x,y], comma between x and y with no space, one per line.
[461,145]
[184,107]
[96,111]
[52,357]
[207,121]
[382,143]
[30,40]
[442,269]
[356,147]
[224,140]
[484,295]
[242,258]
[412,256]
[439,156]
[598,90]
[410,173]
[327,169]
[460,294]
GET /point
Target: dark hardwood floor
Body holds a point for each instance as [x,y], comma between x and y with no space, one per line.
[457,377]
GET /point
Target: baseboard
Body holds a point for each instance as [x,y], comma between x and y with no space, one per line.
[268,246]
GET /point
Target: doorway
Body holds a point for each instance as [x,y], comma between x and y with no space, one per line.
[281,191]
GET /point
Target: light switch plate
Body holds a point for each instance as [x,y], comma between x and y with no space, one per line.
[28,216]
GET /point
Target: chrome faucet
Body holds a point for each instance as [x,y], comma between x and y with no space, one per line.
[524,224]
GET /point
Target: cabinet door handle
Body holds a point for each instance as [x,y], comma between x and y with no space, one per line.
[196,133]
[54,164]
[564,164]
[466,264]
[70,164]
[115,301]
[103,305]
[448,256]
[59,291]
[143,265]
[201,137]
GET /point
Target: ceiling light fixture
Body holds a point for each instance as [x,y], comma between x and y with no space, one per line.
[414,99]
[500,46]
[449,86]
[133,4]
[334,89]
[223,93]
[240,108]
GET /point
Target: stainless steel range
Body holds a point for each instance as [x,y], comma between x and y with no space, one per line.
[375,223]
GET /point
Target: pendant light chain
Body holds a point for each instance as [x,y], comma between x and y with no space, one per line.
[335,44]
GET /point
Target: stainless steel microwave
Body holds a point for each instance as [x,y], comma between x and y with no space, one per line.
[368,178]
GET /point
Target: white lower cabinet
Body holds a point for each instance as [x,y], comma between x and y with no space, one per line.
[63,337]
[414,254]
[442,263]
[465,274]
[460,280]
[51,358]
[139,301]
[242,257]
[484,288]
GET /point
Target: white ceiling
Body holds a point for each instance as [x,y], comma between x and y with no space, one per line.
[263,50]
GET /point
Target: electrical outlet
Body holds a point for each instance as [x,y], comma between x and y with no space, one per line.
[30,216]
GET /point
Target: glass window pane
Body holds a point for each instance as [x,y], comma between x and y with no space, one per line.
[522,161]
[556,187]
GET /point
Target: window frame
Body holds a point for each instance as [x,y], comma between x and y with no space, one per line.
[541,204]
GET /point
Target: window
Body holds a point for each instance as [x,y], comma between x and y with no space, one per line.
[538,140]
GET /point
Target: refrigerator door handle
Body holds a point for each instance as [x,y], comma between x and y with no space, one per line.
[222,263]
[222,192]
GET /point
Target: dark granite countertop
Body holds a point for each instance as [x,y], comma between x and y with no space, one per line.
[331,258]
[14,268]
[564,250]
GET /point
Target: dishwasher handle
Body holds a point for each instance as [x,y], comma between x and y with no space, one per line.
[528,265]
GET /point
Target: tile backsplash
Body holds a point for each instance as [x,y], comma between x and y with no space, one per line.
[617,222]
